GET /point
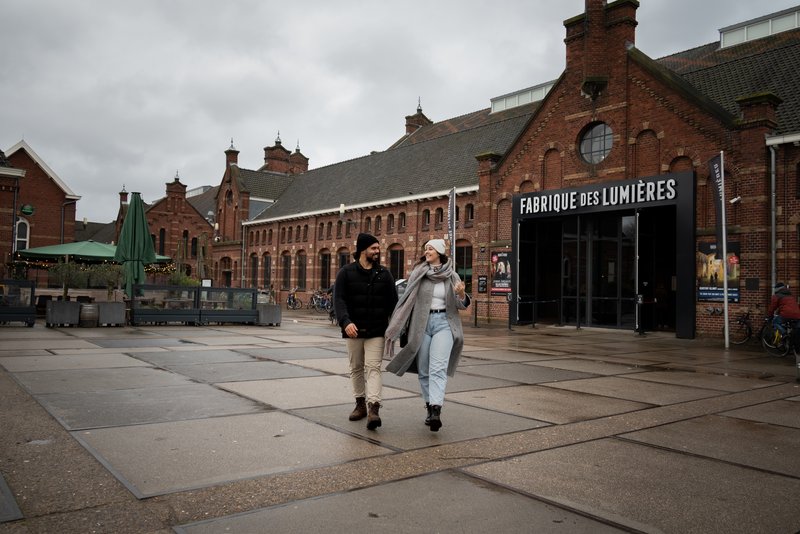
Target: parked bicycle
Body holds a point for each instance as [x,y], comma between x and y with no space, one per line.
[321,301]
[292,302]
[780,344]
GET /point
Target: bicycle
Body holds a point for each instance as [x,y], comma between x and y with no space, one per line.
[777,344]
[292,302]
[741,329]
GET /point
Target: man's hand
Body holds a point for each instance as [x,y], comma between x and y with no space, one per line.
[351,330]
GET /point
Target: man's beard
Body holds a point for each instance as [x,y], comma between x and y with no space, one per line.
[375,259]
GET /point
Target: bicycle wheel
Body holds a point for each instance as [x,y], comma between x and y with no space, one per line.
[773,342]
[739,332]
[297,304]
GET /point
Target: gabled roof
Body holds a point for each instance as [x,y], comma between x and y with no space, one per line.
[770,64]
[265,185]
[45,167]
[415,169]
[205,202]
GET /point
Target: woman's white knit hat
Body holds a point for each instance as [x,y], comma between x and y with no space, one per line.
[437,244]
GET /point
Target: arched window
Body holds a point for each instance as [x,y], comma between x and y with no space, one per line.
[266,267]
[23,234]
[469,215]
[286,271]
[253,270]
[321,232]
[162,241]
[300,268]
[338,229]
[283,235]
[378,224]
[344,257]
[347,228]
[397,261]
[305,233]
[439,220]
[297,233]
[389,223]
[368,225]
[324,268]
[426,219]
[330,230]
[194,247]
[289,235]
[269,238]
[401,222]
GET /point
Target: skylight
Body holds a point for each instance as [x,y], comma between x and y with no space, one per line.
[521,97]
[760,27]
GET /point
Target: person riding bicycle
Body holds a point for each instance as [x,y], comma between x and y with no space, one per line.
[784,306]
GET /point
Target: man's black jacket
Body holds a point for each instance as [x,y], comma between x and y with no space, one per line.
[364,297]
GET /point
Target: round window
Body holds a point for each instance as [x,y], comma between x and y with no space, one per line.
[596,142]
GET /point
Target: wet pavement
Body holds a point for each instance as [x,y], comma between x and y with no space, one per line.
[245,429]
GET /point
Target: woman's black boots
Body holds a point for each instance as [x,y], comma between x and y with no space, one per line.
[435,422]
[428,418]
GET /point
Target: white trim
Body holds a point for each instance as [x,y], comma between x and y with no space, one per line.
[11,171]
[374,204]
[773,140]
[45,167]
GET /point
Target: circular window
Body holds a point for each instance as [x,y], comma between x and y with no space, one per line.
[596,142]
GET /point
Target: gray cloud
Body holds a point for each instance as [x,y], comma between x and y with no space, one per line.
[113,93]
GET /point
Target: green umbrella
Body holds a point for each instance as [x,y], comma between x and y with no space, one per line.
[78,251]
[135,246]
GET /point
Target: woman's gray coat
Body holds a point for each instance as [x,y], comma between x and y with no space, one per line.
[405,360]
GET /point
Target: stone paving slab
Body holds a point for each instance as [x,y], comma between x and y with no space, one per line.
[403,425]
[524,373]
[227,340]
[178,357]
[297,338]
[84,410]
[212,373]
[763,446]
[651,489]
[77,380]
[547,404]
[703,380]
[334,366]
[69,361]
[461,504]
[750,367]
[292,353]
[139,342]
[288,393]
[14,345]
[516,355]
[635,390]
[462,381]
[167,457]
[589,366]
[9,511]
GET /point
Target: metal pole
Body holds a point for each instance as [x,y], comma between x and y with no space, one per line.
[724,251]
[636,273]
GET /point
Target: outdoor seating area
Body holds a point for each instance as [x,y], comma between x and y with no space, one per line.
[17,301]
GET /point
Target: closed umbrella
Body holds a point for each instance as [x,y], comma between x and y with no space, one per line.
[135,246]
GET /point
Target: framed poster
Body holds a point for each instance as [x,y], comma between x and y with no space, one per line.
[501,273]
[709,272]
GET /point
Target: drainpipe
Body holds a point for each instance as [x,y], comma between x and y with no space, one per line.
[773,211]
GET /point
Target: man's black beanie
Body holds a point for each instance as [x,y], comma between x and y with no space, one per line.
[363,242]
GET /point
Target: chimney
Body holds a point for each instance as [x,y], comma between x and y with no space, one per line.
[276,158]
[417,121]
[123,196]
[231,155]
[597,40]
[298,160]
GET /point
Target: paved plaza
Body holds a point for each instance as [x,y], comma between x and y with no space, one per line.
[245,429]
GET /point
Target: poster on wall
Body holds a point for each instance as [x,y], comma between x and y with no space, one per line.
[501,273]
[709,272]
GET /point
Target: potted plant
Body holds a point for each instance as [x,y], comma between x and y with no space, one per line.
[64,312]
[110,275]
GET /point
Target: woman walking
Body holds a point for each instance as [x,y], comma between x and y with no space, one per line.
[427,314]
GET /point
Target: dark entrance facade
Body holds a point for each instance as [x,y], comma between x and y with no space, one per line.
[617,255]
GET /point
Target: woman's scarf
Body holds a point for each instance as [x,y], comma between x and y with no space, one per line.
[402,312]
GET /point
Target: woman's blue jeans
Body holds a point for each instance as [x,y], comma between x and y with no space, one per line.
[433,358]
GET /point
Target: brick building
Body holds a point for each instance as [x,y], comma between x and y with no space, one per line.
[36,207]
[575,197]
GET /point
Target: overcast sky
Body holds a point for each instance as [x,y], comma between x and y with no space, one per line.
[127,93]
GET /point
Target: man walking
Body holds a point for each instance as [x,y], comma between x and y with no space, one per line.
[364,297]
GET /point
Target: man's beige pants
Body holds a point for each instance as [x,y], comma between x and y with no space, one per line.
[365,359]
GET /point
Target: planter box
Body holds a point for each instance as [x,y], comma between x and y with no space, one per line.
[269,314]
[111,313]
[17,301]
[63,313]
